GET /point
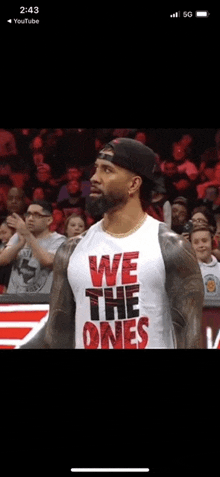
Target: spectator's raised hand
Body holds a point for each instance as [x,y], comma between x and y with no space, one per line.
[18,224]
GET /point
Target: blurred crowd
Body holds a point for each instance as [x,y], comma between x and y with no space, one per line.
[54,165]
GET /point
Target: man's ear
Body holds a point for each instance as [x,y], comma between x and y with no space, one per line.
[136,182]
[50,220]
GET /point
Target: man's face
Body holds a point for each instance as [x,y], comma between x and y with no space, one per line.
[38,194]
[37,219]
[73,187]
[109,187]
[202,244]
[178,151]
[211,194]
[179,215]
[73,173]
[15,201]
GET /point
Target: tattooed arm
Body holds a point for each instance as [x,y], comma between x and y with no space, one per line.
[184,286]
[59,331]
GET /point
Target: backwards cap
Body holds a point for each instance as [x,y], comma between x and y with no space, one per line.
[132,155]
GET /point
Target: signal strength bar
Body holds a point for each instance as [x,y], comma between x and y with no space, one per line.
[175,15]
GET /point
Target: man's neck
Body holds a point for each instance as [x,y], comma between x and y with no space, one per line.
[42,235]
[120,221]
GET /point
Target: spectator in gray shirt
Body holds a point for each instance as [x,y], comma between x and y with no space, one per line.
[31,250]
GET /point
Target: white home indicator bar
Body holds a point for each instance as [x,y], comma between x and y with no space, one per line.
[202,13]
[110,470]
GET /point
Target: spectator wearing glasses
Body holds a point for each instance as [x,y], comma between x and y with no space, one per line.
[31,250]
[200,216]
[203,216]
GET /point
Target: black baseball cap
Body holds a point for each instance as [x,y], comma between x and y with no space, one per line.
[132,155]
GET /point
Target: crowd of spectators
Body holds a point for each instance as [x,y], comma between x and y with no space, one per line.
[53,166]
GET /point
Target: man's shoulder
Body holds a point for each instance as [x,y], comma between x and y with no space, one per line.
[183,275]
[56,236]
[176,250]
[69,245]
[66,249]
[166,233]
[53,239]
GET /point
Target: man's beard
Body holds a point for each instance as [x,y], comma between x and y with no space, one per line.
[177,227]
[98,206]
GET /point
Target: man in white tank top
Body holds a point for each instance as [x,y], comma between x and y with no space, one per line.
[128,282]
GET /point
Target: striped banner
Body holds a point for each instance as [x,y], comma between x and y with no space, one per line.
[19,323]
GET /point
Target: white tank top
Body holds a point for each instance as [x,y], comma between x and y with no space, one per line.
[119,290]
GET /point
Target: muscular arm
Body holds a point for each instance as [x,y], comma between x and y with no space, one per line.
[59,331]
[184,286]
